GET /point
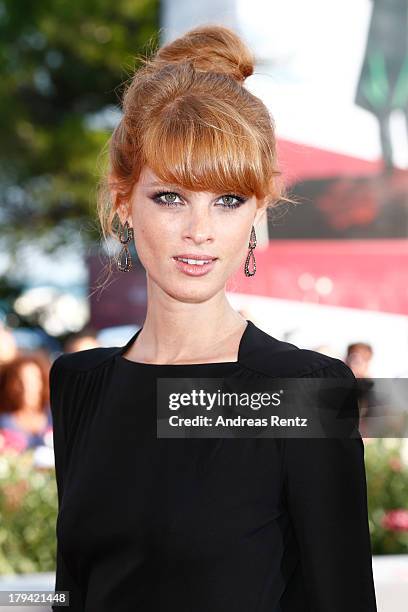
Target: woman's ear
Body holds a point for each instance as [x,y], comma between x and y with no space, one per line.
[113,189]
[119,206]
[123,213]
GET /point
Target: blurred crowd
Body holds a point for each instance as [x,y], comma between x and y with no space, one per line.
[25,415]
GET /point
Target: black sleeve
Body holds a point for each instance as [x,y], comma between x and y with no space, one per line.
[63,579]
[326,494]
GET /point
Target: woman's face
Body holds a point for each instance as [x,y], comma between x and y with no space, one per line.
[169,221]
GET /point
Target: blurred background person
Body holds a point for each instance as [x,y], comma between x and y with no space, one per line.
[8,345]
[358,357]
[82,340]
[25,416]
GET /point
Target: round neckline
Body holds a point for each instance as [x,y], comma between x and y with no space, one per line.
[143,364]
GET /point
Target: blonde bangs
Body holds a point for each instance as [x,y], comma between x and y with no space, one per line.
[202,155]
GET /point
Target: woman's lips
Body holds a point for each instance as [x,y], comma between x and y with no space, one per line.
[194,269]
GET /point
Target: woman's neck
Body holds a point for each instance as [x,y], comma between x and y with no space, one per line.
[177,338]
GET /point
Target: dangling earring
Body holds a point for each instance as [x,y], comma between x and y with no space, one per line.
[252,245]
[125,237]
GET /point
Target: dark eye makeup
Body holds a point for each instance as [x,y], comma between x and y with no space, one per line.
[157,197]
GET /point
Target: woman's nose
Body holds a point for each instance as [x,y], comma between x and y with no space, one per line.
[200,226]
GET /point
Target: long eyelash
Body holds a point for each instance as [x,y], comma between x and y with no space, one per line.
[240,199]
[156,197]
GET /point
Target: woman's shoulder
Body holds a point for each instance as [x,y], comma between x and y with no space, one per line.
[267,355]
[84,360]
[71,374]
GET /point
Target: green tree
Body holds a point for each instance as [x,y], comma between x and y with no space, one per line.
[62,67]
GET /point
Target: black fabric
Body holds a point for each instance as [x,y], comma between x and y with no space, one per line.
[202,525]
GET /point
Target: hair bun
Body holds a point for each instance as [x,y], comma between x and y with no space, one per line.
[210,48]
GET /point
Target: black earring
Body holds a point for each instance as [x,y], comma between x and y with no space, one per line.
[124,260]
[251,245]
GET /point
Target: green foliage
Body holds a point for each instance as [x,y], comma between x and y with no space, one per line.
[62,66]
[28,512]
[386,461]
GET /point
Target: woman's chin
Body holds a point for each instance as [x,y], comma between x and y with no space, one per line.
[194,292]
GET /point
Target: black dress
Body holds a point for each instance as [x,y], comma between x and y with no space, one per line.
[202,525]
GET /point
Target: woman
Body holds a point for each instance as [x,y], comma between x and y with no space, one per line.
[147,523]
[25,416]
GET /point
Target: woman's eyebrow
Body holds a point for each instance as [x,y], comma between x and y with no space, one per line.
[176,187]
[160,184]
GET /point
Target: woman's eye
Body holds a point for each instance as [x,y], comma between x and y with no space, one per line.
[228,201]
[168,201]
[169,198]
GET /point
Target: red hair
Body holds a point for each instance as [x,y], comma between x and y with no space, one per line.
[188,116]
[11,386]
